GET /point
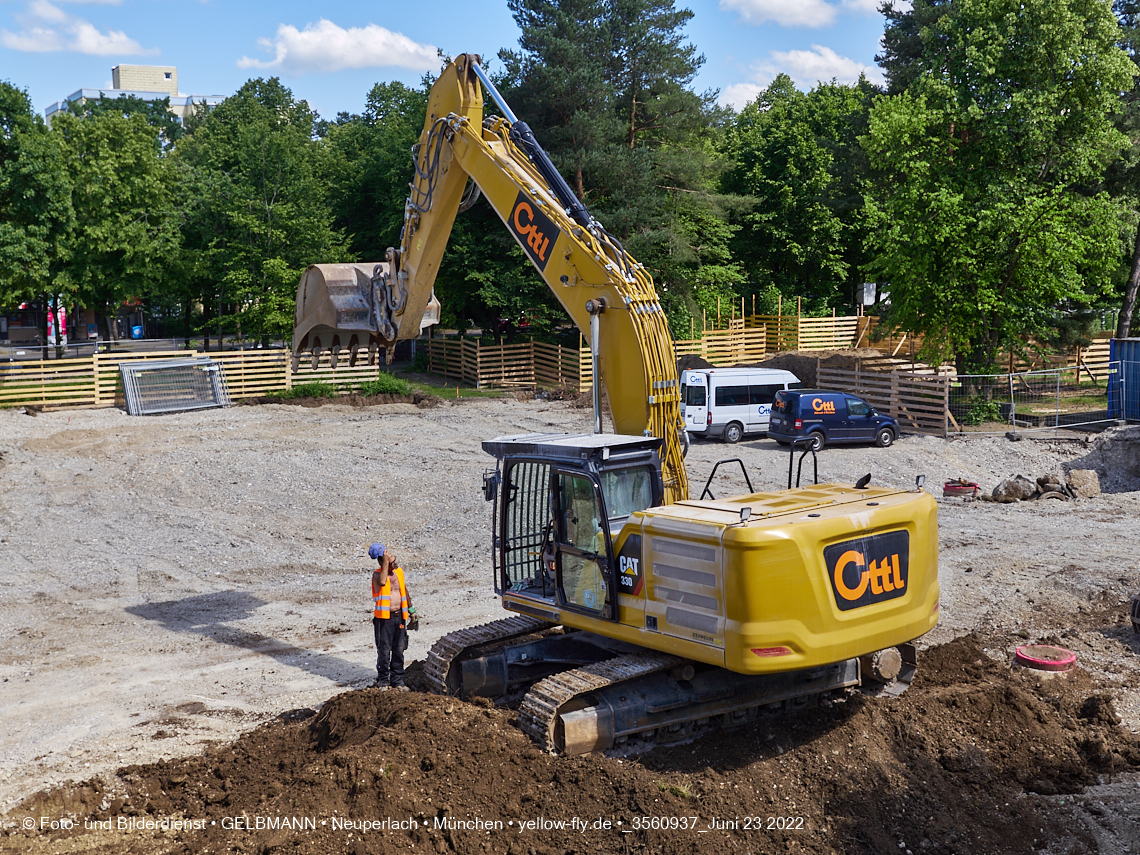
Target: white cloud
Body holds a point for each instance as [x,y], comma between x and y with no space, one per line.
[790,13]
[46,27]
[809,67]
[805,67]
[803,13]
[324,46]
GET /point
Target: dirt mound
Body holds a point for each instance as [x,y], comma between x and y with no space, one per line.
[959,763]
[803,363]
[423,400]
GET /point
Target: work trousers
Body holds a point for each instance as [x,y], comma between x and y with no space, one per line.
[389,650]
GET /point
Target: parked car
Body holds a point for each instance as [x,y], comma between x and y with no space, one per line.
[818,417]
[730,402]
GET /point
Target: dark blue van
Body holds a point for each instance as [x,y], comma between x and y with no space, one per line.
[818,417]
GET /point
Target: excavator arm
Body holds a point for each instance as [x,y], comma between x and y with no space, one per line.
[608,294]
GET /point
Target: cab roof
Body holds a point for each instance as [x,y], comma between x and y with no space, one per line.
[568,446]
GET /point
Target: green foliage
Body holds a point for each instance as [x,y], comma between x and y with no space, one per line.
[979,410]
[122,193]
[797,158]
[36,213]
[315,389]
[257,208]
[369,167]
[982,226]
[386,384]
[156,113]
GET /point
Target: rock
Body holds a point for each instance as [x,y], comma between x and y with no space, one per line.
[1084,482]
[1015,489]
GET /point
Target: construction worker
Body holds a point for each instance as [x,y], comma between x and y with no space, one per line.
[390,606]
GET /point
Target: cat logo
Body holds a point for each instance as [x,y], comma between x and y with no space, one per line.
[629,566]
[818,405]
[868,570]
[534,230]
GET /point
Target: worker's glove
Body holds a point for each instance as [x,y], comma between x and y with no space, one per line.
[413,622]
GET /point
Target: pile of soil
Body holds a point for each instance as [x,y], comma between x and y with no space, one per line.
[805,363]
[970,759]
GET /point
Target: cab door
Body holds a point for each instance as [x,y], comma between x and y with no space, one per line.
[584,564]
[859,426]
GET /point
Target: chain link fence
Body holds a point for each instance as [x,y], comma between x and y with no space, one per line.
[1048,400]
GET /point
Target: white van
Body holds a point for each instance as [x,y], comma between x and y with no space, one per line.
[730,402]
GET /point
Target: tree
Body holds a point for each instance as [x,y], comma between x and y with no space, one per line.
[983,229]
[35,202]
[156,113]
[798,159]
[370,166]
[605,86]
[125,233]
[1124,176]
[260,211]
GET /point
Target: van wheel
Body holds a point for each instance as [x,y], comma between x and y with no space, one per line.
[733,432]
[816,441]
[884,437]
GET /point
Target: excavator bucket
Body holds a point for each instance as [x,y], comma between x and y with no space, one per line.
[341,307]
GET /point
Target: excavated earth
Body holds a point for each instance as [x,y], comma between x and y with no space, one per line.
[185,646]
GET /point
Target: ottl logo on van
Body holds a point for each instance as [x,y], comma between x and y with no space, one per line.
[818,405]
[534,230]
[868,569]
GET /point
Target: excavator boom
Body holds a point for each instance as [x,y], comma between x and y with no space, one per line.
[608,294]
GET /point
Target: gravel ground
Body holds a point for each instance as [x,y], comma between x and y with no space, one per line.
[170,582]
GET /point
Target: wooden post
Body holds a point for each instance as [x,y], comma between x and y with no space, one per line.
[692,328]
[718,312]
[704,321]
[95,376]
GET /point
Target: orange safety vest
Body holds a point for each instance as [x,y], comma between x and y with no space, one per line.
[383,601]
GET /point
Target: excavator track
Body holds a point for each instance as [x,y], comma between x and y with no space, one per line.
[540,709]
[453,645]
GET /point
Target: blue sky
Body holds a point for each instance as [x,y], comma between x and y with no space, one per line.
[332,53]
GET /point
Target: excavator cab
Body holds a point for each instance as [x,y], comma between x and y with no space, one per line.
[560,503]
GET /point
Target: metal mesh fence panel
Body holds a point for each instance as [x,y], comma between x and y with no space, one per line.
[1030,401]
[172,385]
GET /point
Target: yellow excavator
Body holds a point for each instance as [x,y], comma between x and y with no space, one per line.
[639,614]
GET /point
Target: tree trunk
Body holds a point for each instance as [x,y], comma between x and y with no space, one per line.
[1124,322]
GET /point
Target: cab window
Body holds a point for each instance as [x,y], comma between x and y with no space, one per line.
[583,553]
[857,408]
[627,490]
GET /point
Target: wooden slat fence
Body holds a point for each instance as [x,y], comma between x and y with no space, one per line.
[728,347]
[526,365]
[94,381]
[920,403]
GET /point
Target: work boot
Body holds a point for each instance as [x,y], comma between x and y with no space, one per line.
[401,688]
[383,687]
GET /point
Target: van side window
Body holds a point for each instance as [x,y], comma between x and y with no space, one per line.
[764,394]
[855,407]
[694,396]
[732,396]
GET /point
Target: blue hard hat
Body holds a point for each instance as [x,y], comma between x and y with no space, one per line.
[376,550]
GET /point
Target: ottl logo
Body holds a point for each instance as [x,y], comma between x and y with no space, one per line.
[868,570]
[818,405]
[534,230]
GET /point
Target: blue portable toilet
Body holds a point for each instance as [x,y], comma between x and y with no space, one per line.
[1124,382]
